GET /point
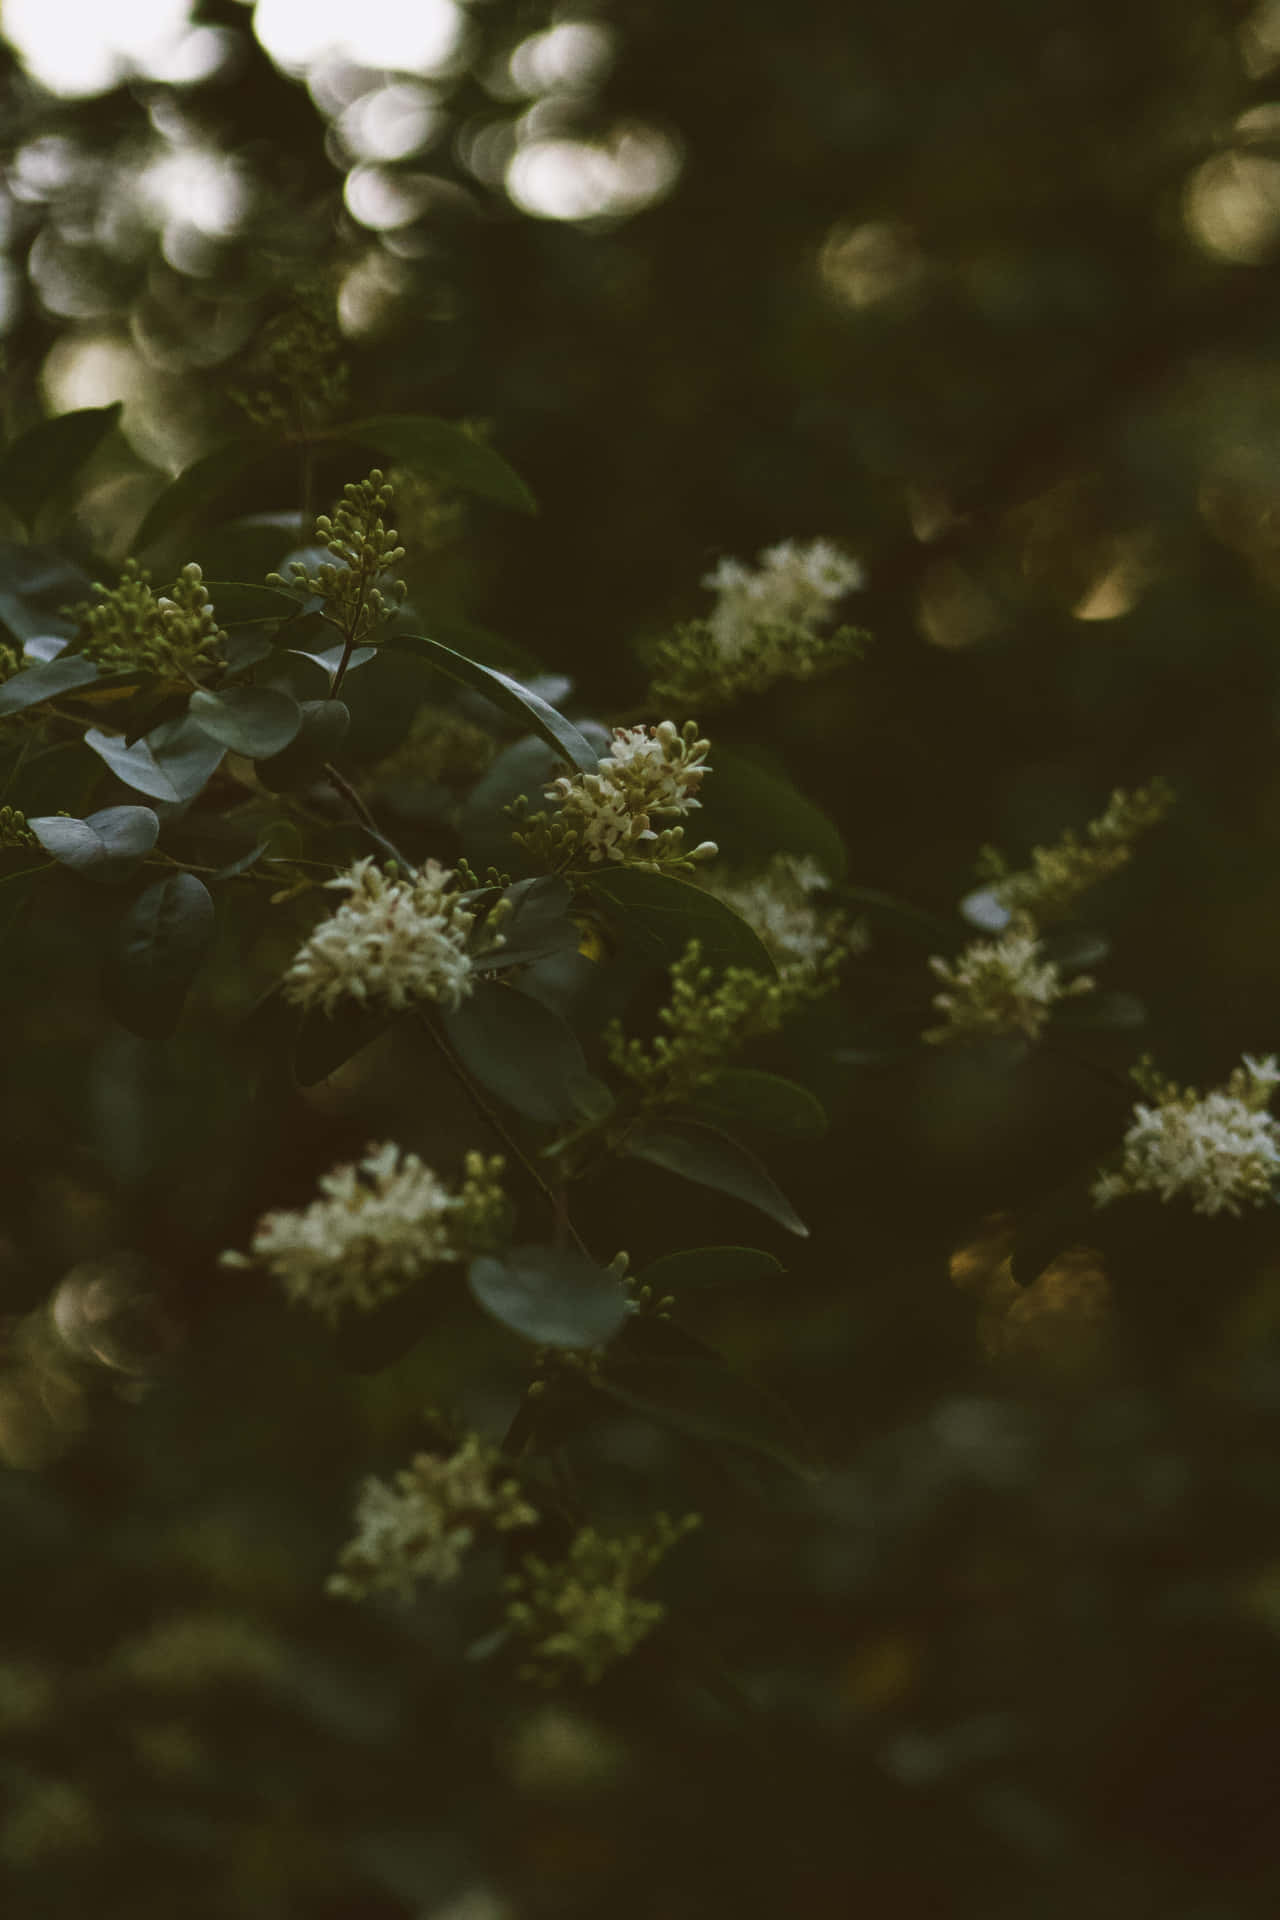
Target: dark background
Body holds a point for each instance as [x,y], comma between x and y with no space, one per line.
[990,297]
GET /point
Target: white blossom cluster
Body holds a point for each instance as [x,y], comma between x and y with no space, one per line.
[649,773]
[767,623]
[1000,986]
[394,940]
[421,1526]
[1220,1149]
[378,1226]
[779,905]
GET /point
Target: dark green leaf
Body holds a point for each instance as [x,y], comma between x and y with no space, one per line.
[46,682]
[322,731]
[440,452]
[40,461]
[763,1100]
[675,1273]
[173,762]
[696,1394]
[243,603]
[528,708]
[106,845]
[527,1055]
[370,1342]
[536,923]
[330,658]
[1072,949]
[325,1041]
[660,915]
[702,1154]
[555,1298]
[157,951]
[202,486]
[746,808]
[257,721]
[888,907]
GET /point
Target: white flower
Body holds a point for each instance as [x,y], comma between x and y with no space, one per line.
[1001,986]
[1222,1150]
[776,904]
[420,1527]
[793,588]
[394,940]
[379,1226]
[649,773]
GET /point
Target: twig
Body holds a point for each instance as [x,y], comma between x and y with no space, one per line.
[363,815]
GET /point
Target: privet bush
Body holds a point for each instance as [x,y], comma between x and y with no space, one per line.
[512,907]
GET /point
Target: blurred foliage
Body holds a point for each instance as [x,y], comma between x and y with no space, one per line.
[990,297]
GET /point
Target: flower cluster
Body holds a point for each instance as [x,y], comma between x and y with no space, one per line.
[710,1015]
[14,831]
[1220,1149]
[379,1225]
[421,1526]
[1001,986]
[301,363]
[779,905]
[767,625]
[649,773]
[130,627]
[394,940]
[581,1614]
[1050,887]
[359,592]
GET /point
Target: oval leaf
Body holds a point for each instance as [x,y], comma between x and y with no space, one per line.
[156,953]
[746,807]
[527,707]
[325,1041]
[703,1154]
[741,1095]
[520,1050]
[440,452]
[199,488]
[708,1267]
[535,923]
[324,726]
[173,762]
[106,845]
[256,721]
[331,658]
[660,915]
[555,1298]
[35,684]
[41,461]
[243,603]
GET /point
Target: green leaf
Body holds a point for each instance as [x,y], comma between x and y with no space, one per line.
[912,919]
[533,712]
[173,762]
[527,1055]
[371,1342]
[199,488]
[41,461]
[325,1041]
[688,1387]
[257,721]
[660,915]
[323,728]
[711,1159]
[330,659]
[36,684]
[765,1101]
[536,923]
[708,1267]
[441,452]
[243,603]
[746,808]
[156,953]
[105,846]
[555,1298]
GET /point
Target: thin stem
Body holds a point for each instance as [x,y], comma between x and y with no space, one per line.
[363,815]
[555,1200]
[348,648]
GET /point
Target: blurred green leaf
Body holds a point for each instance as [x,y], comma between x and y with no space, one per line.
[105,846]
[257,721]
[440,452]
[743,1095]
[711,1159]
[325,1041]
[751,812]
[661,915]
[157,951]
[172,763]
[527,1055]
[41,461]
[554,1298]
[243,603]
[506,693]
[198,489]
[45,682]
[323,727]
[702,1267]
